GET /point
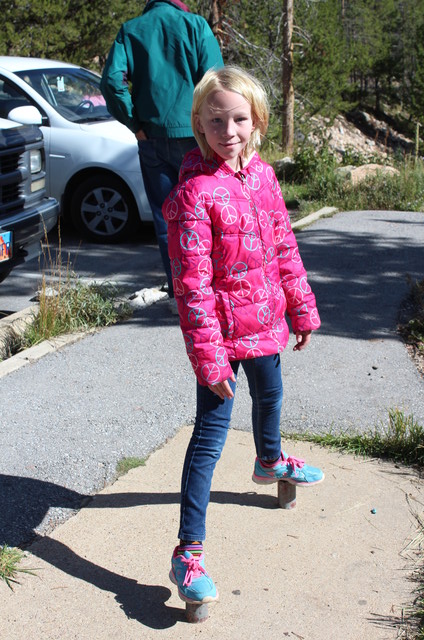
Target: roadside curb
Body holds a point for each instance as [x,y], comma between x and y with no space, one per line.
[312,217]
[39,350]
[18,322]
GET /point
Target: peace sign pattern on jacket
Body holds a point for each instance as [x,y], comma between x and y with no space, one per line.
[236,265]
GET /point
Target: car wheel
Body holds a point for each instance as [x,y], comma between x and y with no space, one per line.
[103,209]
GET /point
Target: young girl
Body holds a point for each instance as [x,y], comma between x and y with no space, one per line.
[236,271]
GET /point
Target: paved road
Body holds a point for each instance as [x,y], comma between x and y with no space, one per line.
[68,418]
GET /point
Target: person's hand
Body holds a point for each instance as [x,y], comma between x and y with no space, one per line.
[140,135]
[223,389]
[303,338]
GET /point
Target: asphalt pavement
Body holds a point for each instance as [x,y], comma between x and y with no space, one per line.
[67,418]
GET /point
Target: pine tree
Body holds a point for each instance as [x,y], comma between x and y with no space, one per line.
[322,65]
[69,30]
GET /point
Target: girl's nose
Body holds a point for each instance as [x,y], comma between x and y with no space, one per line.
[230,128]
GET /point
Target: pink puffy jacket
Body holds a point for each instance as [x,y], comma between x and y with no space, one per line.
[235,264]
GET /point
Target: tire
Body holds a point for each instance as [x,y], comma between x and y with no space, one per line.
[103,209]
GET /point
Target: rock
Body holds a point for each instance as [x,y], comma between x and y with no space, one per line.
[284,168]
[357,174]
[360,133]
[146,297]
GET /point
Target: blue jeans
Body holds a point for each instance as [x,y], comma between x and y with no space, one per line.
[160,161]
[210,433]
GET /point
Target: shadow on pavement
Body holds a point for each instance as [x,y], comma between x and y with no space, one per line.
[24,504]
[359,281]
[142,602]
[26,501]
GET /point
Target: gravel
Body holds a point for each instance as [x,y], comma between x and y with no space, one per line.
[67,419]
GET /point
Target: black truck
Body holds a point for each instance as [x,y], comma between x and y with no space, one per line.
[26,214]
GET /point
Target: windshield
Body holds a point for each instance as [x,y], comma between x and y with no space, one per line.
[74,93]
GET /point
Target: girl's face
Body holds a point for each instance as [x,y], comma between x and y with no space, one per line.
[225,119]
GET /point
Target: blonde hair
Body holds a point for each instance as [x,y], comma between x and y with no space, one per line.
[237,80]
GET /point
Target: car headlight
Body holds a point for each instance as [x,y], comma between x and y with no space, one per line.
[36,161]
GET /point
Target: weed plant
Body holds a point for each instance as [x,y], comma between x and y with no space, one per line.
[10,344]
[71,307]
[313,181]
[67,304]
[10,558]
[126,464]
[402,440]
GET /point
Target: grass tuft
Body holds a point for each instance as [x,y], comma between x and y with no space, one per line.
[10,343]
[66,305]
[314,181]
[126,464]
[10,558]
[402,440]
[74,306]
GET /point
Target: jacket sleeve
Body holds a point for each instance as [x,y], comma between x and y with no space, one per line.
[189,246]
[301,304]
[114,85]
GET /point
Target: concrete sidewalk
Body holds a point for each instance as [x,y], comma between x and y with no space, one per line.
[330,569]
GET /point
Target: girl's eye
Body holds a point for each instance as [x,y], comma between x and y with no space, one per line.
[216,120]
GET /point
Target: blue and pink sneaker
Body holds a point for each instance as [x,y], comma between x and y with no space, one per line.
[188,573]
[287,468]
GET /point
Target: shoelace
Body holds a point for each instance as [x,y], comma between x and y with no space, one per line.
[194,569]
[296,463]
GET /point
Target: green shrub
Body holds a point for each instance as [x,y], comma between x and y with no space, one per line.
[314,182]
[10,558]
[73,306]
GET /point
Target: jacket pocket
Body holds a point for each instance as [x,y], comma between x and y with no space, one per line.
[224,313]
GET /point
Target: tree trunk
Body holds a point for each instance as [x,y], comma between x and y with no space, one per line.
[287,68]
[215,18]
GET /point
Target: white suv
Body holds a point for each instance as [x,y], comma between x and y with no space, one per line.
[92,160]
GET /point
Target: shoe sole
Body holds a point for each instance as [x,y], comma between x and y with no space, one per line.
[260,480]
[206,599]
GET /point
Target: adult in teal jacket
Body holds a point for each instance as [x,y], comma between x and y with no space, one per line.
[162,54]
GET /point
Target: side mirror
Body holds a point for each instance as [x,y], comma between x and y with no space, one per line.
[25,115]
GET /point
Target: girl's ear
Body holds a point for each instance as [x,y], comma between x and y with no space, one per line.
[198,123]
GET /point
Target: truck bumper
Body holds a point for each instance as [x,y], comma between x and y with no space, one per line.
[29,228]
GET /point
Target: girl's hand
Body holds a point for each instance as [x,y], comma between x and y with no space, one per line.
[303,338]
[223,389]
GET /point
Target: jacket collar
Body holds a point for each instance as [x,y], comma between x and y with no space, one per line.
[226,167]
[176,3]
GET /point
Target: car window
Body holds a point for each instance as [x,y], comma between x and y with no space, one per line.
[74,93]
[11,97]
